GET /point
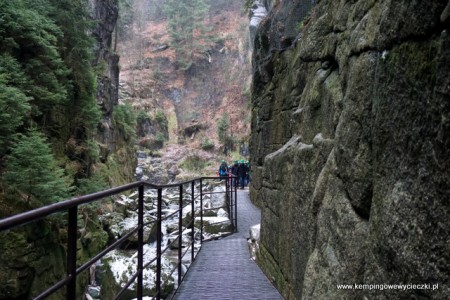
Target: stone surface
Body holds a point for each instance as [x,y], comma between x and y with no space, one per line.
[350,148]
[106,12]
[114,145]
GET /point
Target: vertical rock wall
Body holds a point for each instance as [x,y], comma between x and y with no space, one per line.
[106,13]
[351,146]
[116,151]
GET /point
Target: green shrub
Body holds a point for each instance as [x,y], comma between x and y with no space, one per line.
[125,120]
[159,137]
[222,131]
[158,76]
[93,150]
[142,116]
[14,104]
[32,173]
[91,185]
[207,144]
[222,127]
[193,163]
[161,119]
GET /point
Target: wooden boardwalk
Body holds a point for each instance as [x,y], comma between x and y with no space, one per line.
[223,268]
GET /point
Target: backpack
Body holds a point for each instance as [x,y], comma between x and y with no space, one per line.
[223,170]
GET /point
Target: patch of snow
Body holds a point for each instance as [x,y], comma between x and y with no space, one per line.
[214,220]
[318,137]
[255,232]
[259,13]
[222,213]
[302,146]
[123,265]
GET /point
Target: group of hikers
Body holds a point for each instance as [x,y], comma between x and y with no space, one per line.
[240,169]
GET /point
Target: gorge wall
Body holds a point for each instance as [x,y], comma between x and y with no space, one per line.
[116,148]
[33,257]
[350,147]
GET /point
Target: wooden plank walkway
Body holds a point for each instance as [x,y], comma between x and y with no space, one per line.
[223,268]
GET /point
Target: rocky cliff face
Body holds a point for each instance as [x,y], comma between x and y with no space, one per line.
[350,144]
[106,12]
[117,153]
[117,157]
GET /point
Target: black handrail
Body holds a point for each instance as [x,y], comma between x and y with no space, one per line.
[71,206]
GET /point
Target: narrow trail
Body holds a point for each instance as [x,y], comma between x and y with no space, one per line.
[223,268]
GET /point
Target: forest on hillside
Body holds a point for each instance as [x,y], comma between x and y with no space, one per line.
[47,98]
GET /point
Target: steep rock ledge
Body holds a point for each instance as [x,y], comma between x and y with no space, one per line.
[350,147]
[117,154]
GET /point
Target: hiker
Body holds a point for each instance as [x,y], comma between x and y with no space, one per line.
[230,174]
[234,172]
[223,169]
[241,173]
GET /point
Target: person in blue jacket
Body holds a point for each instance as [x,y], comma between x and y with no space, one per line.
[223,169]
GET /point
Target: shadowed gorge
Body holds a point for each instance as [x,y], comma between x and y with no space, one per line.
[344,116]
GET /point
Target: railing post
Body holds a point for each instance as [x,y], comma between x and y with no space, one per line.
[158,245]
[140,265]
[227,199]
[201,210]
[193,222]
[235,209]
[180,233]
[72,253]
[231,203]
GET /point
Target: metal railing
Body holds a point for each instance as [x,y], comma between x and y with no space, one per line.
[71,206]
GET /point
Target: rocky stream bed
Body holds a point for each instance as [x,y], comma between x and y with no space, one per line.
[111,273]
